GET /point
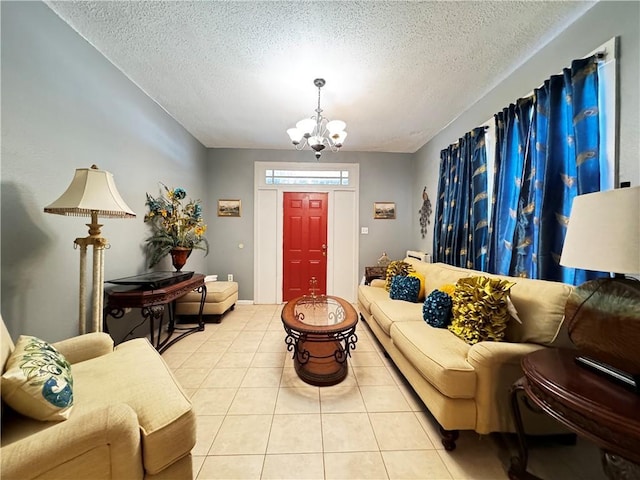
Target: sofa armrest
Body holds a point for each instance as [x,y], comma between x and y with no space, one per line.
[497,367]
[85,347]
[491,354]
[378,282]
[98,444]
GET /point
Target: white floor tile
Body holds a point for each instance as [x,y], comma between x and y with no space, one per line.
[242,435]
[262,377]
[300,466]
[298,400]
[415,464]
[348,432]
[399,431]
[296,433]
[354,466]
[231,467]
[253,401]
[384,399]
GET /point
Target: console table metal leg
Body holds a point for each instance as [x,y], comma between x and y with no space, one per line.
[155,312]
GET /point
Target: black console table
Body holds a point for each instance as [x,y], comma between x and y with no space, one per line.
[152,300]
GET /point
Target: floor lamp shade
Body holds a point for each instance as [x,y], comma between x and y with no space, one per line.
[603,315]
[91,190]
[92,193]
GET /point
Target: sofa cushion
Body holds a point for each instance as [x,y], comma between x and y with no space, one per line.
[386,312]
[540,305]
[368,294]
[37,381]
[405,288]
[438,355]
[133,374]
[216,292]
[438,274]
[480,309]
[436,310]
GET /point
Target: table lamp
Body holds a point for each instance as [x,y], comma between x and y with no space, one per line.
[92,193]
[603,315]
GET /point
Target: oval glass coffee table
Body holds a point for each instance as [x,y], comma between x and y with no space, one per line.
[321,332]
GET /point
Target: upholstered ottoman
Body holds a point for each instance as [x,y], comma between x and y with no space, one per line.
[221,296]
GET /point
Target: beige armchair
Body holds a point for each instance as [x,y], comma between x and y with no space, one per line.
[130,419]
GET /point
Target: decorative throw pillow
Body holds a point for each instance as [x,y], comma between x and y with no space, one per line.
[480,309]
[37,381]
[420,277]
[447,288]
[404,288]
[397,267]
[436,310]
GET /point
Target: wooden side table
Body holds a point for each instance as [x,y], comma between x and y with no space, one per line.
[587,403]
[371,273]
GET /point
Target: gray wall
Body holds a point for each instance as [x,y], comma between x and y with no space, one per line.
[602,22]
[383,177]
[64,106]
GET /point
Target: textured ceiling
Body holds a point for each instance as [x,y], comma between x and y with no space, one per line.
[238,74]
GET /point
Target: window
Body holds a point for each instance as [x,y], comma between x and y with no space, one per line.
[307,177]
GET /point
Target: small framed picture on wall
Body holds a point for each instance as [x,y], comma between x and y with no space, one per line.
[229,208]
[384,210]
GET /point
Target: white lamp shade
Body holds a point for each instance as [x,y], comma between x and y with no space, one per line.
[306,126]
[295,135]
[604,232]
[338,138]
[335,126]
[91,190]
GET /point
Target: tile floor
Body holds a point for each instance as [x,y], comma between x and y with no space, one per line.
[258,420]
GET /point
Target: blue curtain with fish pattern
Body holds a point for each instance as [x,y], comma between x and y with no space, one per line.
[547,152]
[461,232]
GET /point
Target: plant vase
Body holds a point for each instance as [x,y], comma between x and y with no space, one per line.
[179,257]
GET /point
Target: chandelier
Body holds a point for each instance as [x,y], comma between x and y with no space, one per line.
[318,132]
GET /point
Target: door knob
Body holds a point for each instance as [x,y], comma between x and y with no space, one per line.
[324,249]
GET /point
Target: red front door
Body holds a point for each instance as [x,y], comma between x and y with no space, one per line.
[304,244]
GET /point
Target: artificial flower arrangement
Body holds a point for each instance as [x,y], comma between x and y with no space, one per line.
[174,224]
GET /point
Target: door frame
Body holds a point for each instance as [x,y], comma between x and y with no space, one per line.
[342,216]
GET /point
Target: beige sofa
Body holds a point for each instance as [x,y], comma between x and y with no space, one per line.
[466,387]
[130,419]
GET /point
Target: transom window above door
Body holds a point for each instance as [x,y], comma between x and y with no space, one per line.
[306,177]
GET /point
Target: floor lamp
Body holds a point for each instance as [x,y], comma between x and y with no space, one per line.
[603,315]
[92,193]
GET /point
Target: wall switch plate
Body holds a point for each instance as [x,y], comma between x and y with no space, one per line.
[230,277]
[364,230]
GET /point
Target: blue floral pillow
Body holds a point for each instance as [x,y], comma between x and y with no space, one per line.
[436,310]
[404,288]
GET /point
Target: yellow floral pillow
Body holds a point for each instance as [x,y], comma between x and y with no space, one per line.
[397,267]
[480,310]
[420,277]
[448,288]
